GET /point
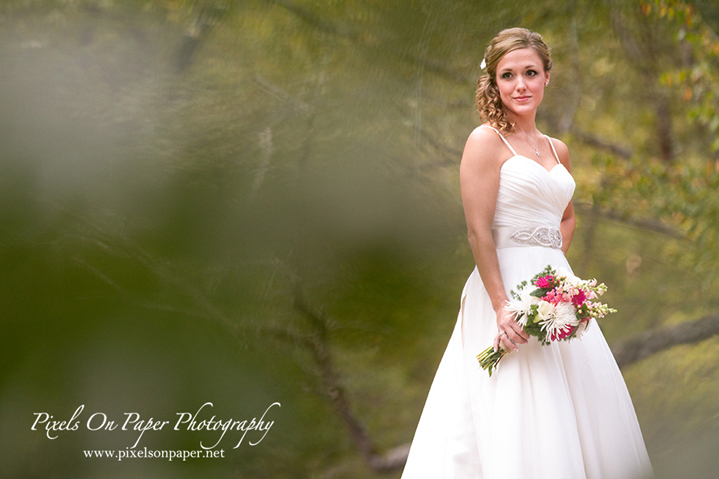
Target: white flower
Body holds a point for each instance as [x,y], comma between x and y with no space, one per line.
[566,313]
[522,306]
[545,311]
[568,277]
[561,272]
[562,316]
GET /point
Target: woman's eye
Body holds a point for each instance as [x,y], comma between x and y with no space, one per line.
[506,75]
[531,73]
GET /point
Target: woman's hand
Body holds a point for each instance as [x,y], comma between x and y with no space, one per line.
[510,334]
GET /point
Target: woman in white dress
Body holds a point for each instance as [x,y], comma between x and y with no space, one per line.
[549,412]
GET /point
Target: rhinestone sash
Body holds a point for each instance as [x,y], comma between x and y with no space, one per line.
[546,236]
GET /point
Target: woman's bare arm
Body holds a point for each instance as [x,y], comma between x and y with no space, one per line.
[479,181]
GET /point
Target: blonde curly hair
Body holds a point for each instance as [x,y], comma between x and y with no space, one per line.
[489,104]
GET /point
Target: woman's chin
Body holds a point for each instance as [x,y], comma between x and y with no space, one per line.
[523,109]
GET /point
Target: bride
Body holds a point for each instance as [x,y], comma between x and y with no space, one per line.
[549,412]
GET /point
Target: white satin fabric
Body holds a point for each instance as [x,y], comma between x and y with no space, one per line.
[549,412]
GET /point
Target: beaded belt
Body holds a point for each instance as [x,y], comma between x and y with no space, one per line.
[538,236]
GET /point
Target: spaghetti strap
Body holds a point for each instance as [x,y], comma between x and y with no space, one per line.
[503,139]
[555,151]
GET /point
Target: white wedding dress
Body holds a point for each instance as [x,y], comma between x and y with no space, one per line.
[549,412]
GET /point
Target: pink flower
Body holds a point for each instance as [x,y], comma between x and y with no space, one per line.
[544,281]
[562,334]
[579,298]
[552,297]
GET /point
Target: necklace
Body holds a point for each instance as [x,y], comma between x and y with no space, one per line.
[536,143]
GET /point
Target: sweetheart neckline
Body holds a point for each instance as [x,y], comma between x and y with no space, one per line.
[535,162]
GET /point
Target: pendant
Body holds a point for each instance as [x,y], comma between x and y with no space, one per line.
[536,151]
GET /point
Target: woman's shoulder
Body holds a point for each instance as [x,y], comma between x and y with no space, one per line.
[559,145]
[485,133]
[484,146]
[561,149]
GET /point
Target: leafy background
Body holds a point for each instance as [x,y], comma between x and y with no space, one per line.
[254,201]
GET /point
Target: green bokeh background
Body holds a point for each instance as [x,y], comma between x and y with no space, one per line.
[187,186]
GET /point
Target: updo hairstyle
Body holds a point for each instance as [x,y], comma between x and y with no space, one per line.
[489,104]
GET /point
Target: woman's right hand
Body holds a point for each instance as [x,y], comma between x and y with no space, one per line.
[479,172]
[510,333]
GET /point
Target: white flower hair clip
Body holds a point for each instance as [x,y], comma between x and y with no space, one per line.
[483,65]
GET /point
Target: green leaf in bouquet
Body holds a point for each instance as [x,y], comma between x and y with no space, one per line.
[540,292]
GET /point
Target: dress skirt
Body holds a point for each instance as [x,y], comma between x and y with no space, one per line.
[560,411]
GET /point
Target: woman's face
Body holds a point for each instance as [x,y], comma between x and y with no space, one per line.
[521,79]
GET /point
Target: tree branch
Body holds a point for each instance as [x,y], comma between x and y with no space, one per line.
[592,140]
[318,345]
[567,118]
[650,342]
[321,354]
[641,223]
[645,54]
[345,31]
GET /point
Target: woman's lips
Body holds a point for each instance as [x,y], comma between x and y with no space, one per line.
[522,98]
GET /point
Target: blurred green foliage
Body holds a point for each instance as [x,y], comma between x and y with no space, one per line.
[178,179]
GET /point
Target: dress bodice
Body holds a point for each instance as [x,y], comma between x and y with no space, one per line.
[530,195]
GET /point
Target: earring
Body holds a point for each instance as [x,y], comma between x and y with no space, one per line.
[546,83]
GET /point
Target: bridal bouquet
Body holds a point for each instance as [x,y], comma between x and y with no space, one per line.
[554,306]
